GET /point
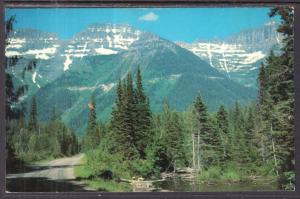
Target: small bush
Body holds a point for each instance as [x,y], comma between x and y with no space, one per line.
[231,176]
[212,173]
[100,160]
[84,173]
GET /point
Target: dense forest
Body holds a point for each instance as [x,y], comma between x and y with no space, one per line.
[33,141]
[230,145]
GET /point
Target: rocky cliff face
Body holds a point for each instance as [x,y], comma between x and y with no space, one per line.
[239,56]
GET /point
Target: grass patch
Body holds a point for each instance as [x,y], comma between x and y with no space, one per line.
[83,173]
[212,174]
[234,174]
[107,185]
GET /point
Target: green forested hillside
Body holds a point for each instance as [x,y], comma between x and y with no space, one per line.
[169,72]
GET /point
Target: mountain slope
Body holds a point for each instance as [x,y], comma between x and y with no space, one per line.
[169,72]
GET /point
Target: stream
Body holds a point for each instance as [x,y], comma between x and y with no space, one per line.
[182,185]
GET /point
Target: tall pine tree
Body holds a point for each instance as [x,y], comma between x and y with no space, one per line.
[223,125]
[33,122]
[92,138]
[143,117]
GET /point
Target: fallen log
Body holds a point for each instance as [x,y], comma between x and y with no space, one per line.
[142,181]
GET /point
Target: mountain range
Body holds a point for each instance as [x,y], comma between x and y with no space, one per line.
[68,72]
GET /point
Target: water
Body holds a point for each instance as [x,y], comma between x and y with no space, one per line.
[181,185]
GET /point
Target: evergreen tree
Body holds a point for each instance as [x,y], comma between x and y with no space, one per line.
[33,123]
[222,119]
[140,90]
[223,125]
[123,119]
[262,78]
[205,135]
[131,118]
[250,131]
[278,106]
[54,114]
[172,137]
[92,138]
[11,94]
[92,121]
[143,117]
[239,151]
[130,109]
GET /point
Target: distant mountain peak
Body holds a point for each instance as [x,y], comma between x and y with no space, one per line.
[239,55]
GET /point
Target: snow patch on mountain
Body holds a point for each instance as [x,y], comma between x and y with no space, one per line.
[44,53]
[103,87]
[175,76]
[223,56]
[105,51]
[16,41]
[240,52]
[107,87]
[102,39]
[22,98]
[154,80]
[253,57]
[81,88]
[34,79]
[213,77]
[67,62]
[12,53]
[14,46]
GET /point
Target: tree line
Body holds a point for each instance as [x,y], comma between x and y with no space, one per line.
[32,141]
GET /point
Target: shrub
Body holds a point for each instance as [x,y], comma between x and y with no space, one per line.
[212,173]
[101,160]
[231,176]
[266,169]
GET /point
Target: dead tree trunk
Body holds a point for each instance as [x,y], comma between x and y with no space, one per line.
[174,169]
[198,151]
[274,152]
[194,162]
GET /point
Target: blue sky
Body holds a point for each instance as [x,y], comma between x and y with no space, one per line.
[175,24]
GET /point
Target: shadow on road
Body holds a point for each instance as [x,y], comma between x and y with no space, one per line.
[47,177]
[41,185]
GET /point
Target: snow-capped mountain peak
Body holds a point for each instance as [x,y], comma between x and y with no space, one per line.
[240,53]
[97,39]
[32,43]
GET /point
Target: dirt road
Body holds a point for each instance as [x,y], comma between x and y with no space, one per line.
[55,175]
[58,169]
